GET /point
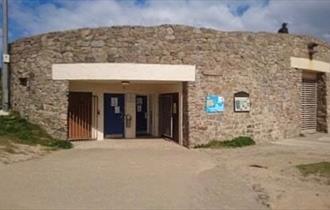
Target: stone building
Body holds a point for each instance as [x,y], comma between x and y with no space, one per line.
[189,84]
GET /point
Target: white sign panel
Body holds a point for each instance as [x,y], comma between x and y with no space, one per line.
[139,108]
[242,104]
[114,101]
[117,109]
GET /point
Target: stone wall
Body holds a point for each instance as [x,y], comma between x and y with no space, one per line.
[322,125]
[258,64]
[226,62]
[33,92]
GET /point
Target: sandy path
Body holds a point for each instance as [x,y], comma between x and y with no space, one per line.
[21,152]
[162,175]
[279,185]
[149,175]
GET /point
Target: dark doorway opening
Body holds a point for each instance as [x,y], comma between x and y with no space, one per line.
[169,116]
[142,116]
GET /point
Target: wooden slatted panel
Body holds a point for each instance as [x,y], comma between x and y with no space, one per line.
[309,105]
[80,116]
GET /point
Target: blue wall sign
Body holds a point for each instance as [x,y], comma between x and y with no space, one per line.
[214,104]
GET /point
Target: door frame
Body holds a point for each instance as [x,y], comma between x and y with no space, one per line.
[105,119]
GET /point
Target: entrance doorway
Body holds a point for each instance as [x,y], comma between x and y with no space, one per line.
[309,103]
[114,114]
[169,116]
[141,115]
[80,116]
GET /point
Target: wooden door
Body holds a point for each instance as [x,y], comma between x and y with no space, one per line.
[309,105]
[80,116]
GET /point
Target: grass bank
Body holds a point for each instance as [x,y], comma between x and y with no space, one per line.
[321,169]
[16,130]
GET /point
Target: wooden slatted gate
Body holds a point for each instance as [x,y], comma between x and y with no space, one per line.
[309,105]
[81,116]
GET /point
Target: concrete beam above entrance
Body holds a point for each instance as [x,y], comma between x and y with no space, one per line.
[312,65]
[123,72]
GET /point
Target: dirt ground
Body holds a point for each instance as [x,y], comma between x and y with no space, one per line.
[150,174]
[20,152]
[270,171]
[156,174]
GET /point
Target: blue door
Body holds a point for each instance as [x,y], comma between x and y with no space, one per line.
[141,114]
[114,112]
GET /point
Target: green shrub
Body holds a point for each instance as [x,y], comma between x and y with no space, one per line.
[61,144]
[236,142]
[240,142]
[19,130]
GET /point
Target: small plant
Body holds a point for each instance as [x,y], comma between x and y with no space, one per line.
[61,144]
[236,142]
[240,142]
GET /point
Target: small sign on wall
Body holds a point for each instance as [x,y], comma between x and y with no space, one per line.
[139,108]
[139,101]
[241,102]
[214,104]
[117,109]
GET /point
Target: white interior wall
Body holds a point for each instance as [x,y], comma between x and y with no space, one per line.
[130,109]
[130,91]
[154,108]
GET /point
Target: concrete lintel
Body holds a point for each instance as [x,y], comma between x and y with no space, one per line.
[312,65]
[123,72]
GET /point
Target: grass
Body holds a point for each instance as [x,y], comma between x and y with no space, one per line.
[236,142]
[321,169]
[14,129]
[0,89]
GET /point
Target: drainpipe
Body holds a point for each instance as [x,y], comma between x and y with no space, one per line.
[5,57]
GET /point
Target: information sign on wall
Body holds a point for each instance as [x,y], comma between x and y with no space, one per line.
[241,102]
[215,104]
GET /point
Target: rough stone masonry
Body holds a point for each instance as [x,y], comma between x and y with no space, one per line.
[226,63]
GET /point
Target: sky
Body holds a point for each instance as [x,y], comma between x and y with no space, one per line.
[31,17]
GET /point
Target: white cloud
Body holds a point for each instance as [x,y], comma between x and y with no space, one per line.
[304,17]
